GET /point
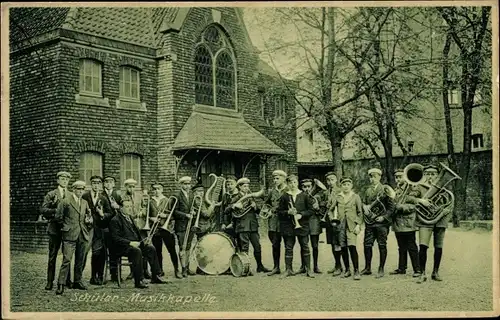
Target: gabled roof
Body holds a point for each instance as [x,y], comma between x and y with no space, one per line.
[223,132]
[26,22]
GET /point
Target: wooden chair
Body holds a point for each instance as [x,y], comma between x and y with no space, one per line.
[119,265]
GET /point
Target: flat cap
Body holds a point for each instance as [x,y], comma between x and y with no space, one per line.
[78,184]
[346,179]
[130,181]
[197,186]
[185,179]
[279,173]
[243,181]
[109,178]
[305,180]
[375,170]
[231,177]
[96,178]
[64,174]
[431,168]
[292,177]
[330,173]
[156,184]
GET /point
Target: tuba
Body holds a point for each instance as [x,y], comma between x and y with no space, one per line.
[439,197]
[413,175]
[246,207]
[377,207]
[213,192]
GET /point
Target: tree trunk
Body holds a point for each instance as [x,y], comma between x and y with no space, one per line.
[337,156]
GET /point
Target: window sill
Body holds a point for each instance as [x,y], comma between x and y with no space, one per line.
[131,105]
[92,100]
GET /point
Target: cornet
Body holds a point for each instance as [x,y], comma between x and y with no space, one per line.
[295,219]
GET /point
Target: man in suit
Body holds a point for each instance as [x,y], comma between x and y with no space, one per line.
[295,206]
[74,215]
[378,229]
[113,197]
[436,230]
[127,241]
[48,211]
[158,209]
[247,226]
[314,225]
[230,197]
[182,215]
[96,200]
[272,200]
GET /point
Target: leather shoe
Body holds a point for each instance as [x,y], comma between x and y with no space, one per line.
[347,274]
[357,276]
[422,278]
[184,273]
[308,274]
[49,286]
[397,271]
[262,269]
[178,274]
[316,270]
[380,273]
[435,276]
[93,281]
[301,270]
[141,285]
[79,286]
[274,271]
[60,289]
[147,275]
[69,285]
[159,280]
[337,272]
[366,272]
[416,274]
[288,273]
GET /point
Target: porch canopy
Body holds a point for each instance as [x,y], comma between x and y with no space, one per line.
[223,130]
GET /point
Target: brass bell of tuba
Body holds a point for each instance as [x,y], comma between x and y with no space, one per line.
[413,175]
[439,197]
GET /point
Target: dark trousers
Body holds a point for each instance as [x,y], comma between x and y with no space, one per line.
[407,244]
[167,238]
[55,242]
[314,244]
[275,238]
[304,250]
[378,233]
[135,257]
[251,237]
[79,249]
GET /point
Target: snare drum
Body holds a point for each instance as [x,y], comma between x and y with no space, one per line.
[240,264]
[213,253]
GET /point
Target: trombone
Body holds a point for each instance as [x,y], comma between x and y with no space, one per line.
[193,210]
[156,223]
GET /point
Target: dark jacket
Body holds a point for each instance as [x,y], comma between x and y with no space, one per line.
[100,223]
[49,207]
[226,209]
[303,204]
[181,210]
[405,214]
[161,207]
[72,218]
[371,194]
[249,222]
[273,199]
[122,233]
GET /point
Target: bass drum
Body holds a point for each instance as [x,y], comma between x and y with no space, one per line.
[240,264]
[213,253]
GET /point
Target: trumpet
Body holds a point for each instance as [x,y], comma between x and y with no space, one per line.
[331,206]
[156,223]
[246,208]
[295,219]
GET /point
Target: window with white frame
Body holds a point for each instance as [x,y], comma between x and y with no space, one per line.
[129,83]
[280,107]
[130,168]
[453,97]
[90,165]
[90,77]
[215,70]
[477,141]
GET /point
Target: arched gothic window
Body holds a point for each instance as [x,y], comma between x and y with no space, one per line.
[215,70]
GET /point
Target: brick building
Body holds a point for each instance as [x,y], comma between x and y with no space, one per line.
[148,93]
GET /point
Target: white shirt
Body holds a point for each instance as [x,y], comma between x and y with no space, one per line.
[185,193]
[77,199]
[294,195]
[61,191]
[94,196]
[158,199]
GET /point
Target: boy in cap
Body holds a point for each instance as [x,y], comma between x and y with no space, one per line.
[247,226]
[74,215]
[437,230]
[350,215]
[159,207]
[294,206]
[48,211]
[182,215]
[98,202]
[315,228]
[230,197]
[113,197]
[274,234]
[377,228]
[404,226]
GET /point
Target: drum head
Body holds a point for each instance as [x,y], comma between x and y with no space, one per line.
[239,265]
[214,252]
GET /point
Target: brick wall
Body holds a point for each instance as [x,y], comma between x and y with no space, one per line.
[28,236]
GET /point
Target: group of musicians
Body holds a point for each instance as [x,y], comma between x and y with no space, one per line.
[113,224]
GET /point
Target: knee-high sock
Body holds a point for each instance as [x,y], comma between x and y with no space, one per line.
[422,257]
[315,257]
[383,256]
[337,255]
[438,253]
[368,257]
[354,257]
[288,262]
[345,257]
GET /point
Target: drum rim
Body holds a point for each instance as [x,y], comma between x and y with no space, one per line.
[245,262]
[225,236]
